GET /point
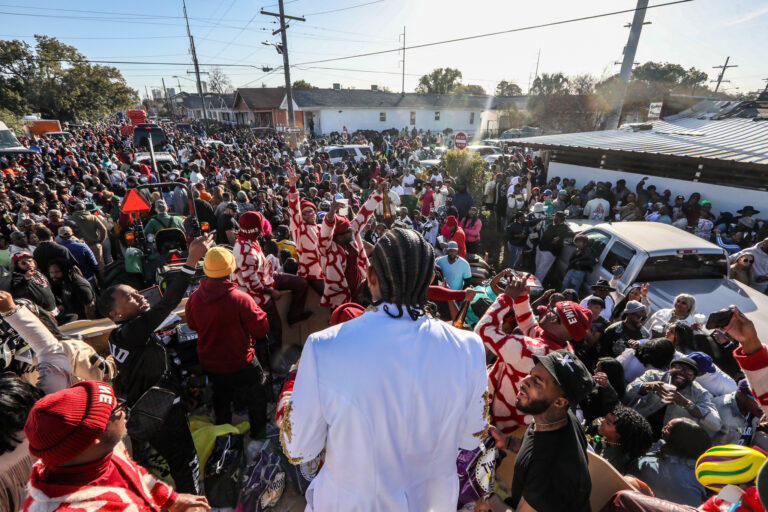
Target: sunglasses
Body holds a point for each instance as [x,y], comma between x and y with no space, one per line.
[308,212]
[553,311]
[748,261]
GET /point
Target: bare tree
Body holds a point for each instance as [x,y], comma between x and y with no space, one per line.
[582,85]
[219,82]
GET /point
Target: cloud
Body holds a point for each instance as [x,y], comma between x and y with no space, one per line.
[748,17]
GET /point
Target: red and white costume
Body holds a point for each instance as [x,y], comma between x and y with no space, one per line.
[114,483]
[755,368]
[306,236]
[334,257]
[515,356]
[254,271]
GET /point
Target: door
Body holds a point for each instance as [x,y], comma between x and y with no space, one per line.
[597,241]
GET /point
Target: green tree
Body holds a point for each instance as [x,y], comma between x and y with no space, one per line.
[466,166]
[440,81]
[476,90]
[56,80]
[301,85]
[505,88]
[548,84]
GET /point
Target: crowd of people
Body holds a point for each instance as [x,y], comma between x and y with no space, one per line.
[434,350]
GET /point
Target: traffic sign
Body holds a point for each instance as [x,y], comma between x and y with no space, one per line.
[460,141]
[134,203]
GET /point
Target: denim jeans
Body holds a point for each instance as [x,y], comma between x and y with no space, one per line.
[513,254]
[573,279]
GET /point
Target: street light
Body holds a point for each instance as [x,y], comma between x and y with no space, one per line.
[278,47]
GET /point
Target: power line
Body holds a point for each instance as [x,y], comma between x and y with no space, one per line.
[132,38]
[112,13]
[489,34]
[342,8]
[120,20]
[237,35]
[94,61]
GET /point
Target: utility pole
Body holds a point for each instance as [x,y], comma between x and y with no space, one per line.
[620,88]
[168,99]
[538,59]
[402,87]
[197,67]
[286,65]
[722,73]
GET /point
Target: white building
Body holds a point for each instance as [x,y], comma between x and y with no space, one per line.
[331,110]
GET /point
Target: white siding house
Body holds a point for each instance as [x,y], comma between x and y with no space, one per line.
[331,110]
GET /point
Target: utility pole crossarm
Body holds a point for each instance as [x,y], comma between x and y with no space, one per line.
[724,67]
[277,15]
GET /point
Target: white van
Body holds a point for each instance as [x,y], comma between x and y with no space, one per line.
[338,154]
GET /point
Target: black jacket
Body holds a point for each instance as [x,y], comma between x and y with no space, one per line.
[582,260]
[139,353]
[50,251]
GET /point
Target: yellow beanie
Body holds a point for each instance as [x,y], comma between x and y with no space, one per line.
[219,262]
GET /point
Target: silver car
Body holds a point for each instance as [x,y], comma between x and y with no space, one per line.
[672,261]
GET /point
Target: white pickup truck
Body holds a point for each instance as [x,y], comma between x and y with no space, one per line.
[672,261]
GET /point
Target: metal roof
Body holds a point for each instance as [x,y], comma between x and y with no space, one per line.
[693,133]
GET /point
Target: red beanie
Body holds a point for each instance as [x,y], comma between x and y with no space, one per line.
[308,204]
[575,318]
[64,424]
[251,222]
[342,224]
[345,312]
[451,221]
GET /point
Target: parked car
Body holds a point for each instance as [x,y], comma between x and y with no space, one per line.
[430,157]
[489,153]
[338,154]
[671,261]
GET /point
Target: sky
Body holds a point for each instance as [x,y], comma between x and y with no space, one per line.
[698,33]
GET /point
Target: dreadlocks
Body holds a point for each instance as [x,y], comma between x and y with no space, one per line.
[404,263]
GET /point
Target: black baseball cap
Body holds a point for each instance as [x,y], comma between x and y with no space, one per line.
[569,373]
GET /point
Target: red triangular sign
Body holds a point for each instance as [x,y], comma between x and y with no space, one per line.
[134,203]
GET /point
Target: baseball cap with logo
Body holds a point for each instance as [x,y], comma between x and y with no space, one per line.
[569,373]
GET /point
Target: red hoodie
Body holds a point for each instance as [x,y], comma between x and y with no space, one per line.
[225,319]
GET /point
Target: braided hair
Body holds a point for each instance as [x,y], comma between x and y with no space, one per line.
[404,263]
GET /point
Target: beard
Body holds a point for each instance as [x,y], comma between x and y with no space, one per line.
[533,407]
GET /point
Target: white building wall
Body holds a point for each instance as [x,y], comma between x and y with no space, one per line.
[724,199]
[330,120]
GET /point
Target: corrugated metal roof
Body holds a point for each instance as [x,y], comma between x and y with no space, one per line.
[736,139]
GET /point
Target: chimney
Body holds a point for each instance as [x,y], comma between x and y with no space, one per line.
[374,87]
[336,87]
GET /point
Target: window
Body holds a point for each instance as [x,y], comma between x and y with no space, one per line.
[413,117]
[684,266]
[437,116]
[382,116]
[471,118]
[336,153]
[597,242]
[619,255]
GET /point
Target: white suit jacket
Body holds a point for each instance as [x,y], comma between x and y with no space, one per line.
[391,400]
